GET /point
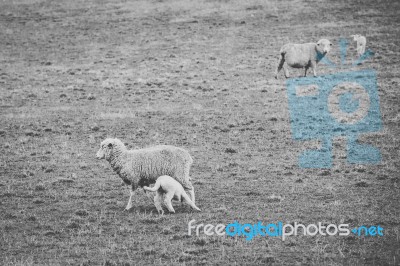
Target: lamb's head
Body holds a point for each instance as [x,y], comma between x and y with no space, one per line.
[356,37]
[324,46]
[108,147]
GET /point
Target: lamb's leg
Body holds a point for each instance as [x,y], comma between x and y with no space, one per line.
[359,51]
[189,201]
[168,201]
[280,65]
[157,202]
[188,186]
[148,194]
[191,193]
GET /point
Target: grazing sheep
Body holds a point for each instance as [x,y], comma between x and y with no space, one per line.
[361,43]
[303,55]
[167,189]
[142,167]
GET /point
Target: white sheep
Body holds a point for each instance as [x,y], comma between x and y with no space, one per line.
[303,55]
[142,167]
[361,44]
[167,189]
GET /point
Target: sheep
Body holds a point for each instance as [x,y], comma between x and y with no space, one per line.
[361,43]
[142,167]
[303,55]
[167,189]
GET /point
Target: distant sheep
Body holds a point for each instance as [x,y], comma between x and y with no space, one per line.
[361,43]
[142,167]
[167,189]
[303,55]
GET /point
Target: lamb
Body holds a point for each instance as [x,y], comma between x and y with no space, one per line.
[167,189]
[142,167]
[361,43]
[303,55]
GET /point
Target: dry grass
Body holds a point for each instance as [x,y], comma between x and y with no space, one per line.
[196,74]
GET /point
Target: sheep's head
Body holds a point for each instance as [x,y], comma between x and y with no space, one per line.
[324,46]
[107,147]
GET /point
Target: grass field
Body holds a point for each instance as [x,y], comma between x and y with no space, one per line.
[199,75]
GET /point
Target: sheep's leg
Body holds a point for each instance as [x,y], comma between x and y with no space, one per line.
[286,70]
[132,193]
[305,71]
[313,66]
[168,201]
[129,205]
[280,65]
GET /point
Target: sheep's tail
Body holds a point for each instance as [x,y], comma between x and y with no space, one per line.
[282,54]
[153,189]
[189,201]
[281,61]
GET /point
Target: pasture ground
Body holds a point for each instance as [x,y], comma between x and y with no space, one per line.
[195,74]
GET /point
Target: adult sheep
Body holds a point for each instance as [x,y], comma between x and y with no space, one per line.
[303,55]
[142,167]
